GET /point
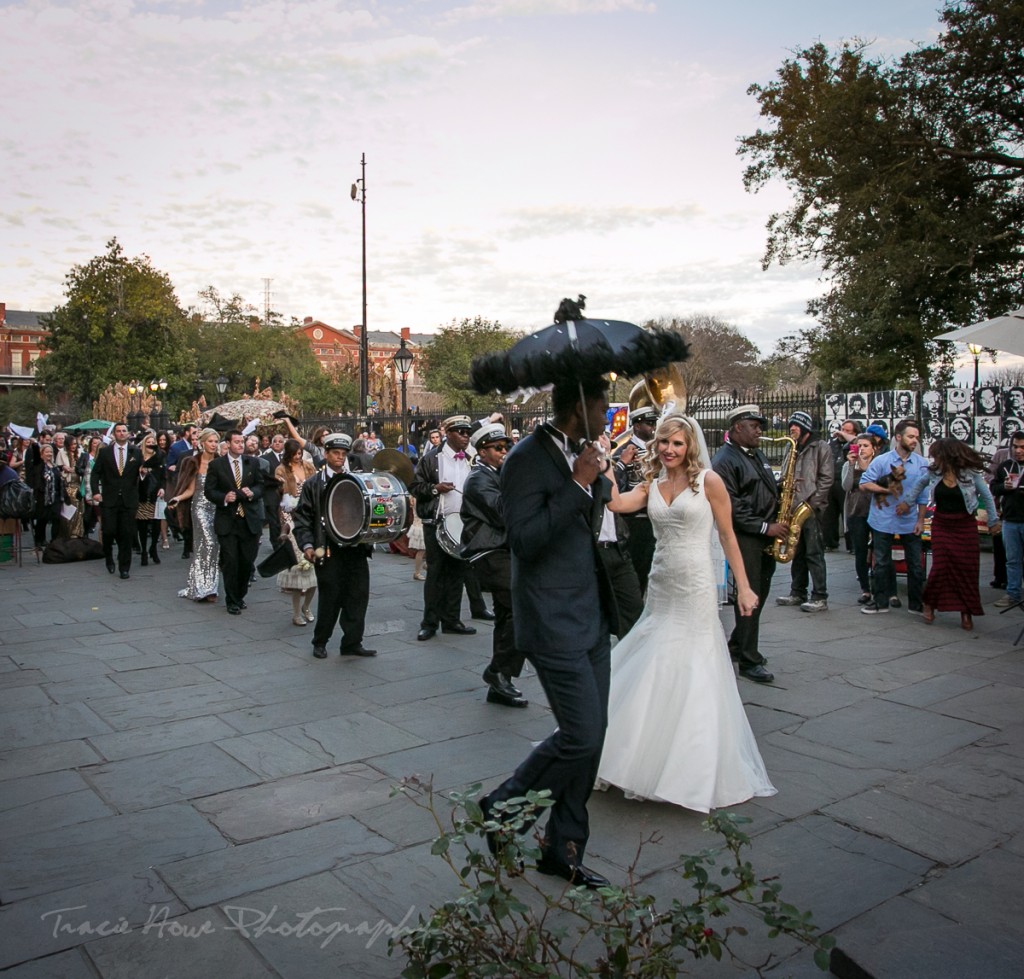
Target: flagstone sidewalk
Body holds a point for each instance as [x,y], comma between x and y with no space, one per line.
[188,794]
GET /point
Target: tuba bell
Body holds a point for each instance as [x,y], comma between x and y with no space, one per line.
[663,388]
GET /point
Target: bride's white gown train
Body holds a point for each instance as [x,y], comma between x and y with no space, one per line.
[677,730]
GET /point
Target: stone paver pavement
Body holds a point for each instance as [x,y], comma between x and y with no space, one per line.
[180,789]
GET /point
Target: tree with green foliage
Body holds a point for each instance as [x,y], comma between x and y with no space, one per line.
[444,365]
[120,321]
[908,184]
[721,358]
[264,351]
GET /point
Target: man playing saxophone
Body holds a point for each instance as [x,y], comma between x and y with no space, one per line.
[814,474]
[748,477]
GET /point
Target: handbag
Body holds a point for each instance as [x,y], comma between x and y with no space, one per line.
[160,509]
[16,500]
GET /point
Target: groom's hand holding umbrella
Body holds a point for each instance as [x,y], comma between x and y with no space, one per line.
[589,464]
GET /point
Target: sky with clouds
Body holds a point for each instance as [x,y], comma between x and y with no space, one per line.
[517,151]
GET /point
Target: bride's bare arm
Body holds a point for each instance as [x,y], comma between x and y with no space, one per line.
[721,508]
[635,499]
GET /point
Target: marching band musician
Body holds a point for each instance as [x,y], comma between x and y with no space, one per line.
[437,486]
[342,572]
[629,474]
[485,545]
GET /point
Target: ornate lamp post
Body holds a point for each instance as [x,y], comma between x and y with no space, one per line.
[159,419]
[221,384]
[134,416]
[975,350]
[403,359]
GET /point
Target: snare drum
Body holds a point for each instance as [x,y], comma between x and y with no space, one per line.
[366,508]
[449,534]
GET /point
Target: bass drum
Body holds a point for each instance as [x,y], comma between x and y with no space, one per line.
[367,508]
[449,534]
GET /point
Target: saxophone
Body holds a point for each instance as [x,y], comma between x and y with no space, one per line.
[783,549]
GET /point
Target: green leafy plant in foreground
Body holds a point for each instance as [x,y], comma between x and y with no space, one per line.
[504,924]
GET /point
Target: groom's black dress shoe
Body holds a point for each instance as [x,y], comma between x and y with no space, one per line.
[320,652]
[757,673]
[124,576]
[496,697]
[486,615]
[110,567]
[459,629]
[234,610]
[574,873]
[501,683]
[427,632]
[503,691]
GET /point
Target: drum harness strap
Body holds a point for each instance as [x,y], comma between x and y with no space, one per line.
[319,526]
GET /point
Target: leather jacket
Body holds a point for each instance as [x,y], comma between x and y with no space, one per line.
[751,486]
[483,521]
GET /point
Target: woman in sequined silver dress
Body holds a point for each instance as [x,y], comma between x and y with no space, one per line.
[201,582]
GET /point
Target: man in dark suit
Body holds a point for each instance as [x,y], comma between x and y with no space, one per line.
[272,488]
[115,487]
[234,484]
[554,493]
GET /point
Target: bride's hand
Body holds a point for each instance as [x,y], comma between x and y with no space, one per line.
[746,599]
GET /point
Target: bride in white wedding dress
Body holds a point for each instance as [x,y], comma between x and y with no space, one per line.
[677,731]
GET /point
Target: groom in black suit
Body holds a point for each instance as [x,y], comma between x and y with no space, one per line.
[553,492]
[234,484]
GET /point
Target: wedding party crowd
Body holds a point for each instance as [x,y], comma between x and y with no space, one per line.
[576,540]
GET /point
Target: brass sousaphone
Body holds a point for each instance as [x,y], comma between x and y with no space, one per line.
[663,389]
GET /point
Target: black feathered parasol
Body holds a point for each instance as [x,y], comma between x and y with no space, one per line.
[574,349]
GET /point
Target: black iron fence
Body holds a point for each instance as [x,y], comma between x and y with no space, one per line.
[710,412]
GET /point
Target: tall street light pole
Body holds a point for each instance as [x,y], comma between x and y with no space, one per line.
[975,350]
[359,194]
[403,362]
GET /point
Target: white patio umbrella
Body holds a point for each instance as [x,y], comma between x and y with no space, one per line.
[1004,333]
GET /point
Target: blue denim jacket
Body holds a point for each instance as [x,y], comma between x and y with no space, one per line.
[972,485]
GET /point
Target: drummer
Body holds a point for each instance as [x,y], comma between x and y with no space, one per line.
[437,486]
[342,572]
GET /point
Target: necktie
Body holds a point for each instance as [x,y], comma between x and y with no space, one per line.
[238,484]
[120,460]
[460,455]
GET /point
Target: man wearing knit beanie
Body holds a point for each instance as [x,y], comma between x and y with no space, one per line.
[813,479]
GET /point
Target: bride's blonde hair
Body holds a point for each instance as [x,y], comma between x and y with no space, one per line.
[652,465]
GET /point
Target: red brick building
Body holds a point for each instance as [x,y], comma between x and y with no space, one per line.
[21,336]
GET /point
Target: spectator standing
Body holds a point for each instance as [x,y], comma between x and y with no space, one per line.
[832,520]
[900,511]
[858,503]
[1008,488]
[48,488]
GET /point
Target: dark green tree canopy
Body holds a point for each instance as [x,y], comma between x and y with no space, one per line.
[908,190]
[120,321]
[444,364]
